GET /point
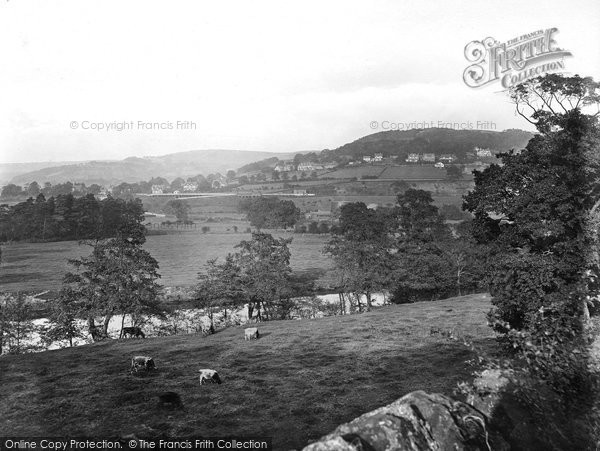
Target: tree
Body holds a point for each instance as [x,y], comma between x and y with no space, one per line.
[119,277]
[16,325]
[537,213]
[361,248]
[11,190]
[419,219]
[33,189]
[177,184]
[179,208]
[213,291]
[535,208]
[270,212]
[257,275]
[421,266]
[63,321]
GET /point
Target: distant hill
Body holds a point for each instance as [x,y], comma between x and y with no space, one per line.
[135,169]
[11,170]
[431,140]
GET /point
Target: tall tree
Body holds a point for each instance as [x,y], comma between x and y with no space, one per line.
[535,207]
[361,250]
[119,277]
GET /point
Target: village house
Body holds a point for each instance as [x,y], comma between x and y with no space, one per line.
[447,158]
[190,186]
[157,189]
[284,166]
[428,158]
[378,157]
[483,153]
[309,166]
[367,158]
[413,158]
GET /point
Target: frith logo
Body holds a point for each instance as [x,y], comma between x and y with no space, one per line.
[514,61]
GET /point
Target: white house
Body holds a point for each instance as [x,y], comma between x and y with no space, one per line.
[482,153]
[190,186]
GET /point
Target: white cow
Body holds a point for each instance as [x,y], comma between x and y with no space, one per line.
[251,333]
[209,376]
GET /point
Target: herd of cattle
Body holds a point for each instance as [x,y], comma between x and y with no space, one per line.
[146,364]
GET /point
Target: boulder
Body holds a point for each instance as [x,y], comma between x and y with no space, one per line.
[418,421]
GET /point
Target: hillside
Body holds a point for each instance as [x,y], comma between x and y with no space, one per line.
[134,169]
[296,383]
[10,170]
[432,140]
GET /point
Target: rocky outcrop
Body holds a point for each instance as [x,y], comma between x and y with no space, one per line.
[418,421]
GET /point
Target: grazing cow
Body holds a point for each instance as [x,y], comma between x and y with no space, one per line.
[142,362]
[251,333]
[133,332]
[209,376]
[169,399]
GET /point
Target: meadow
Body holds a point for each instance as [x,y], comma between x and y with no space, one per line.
[296,383]
[181,255]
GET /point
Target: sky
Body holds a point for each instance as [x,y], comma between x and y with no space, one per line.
[112,79]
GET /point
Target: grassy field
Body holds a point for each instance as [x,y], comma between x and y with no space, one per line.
[36,267]
[297,382]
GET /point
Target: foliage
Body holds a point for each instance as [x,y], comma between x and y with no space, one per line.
[535,212]
[66,217]
[361,250]
[178,208]
[16,325]
[119,277]
[63,321]
[257,275]
[532,208]
[270,212]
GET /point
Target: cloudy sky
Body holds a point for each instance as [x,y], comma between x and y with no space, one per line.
[260,75]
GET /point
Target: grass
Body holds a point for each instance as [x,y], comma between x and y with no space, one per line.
[296,383]
[36,267]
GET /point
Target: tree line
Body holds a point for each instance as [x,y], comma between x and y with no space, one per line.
[66,217]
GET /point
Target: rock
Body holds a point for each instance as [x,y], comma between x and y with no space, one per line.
[419,422]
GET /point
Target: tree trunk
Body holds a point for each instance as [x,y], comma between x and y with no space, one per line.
[105,326]
[258,315]
[122,324]
[250,310]
[93,329]
[357,296]
[369,304]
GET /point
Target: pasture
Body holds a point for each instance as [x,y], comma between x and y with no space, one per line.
[296,383]
[36,267]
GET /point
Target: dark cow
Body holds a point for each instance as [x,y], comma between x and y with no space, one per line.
[134,331]
[142,362]
[209,377]
[170,399]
